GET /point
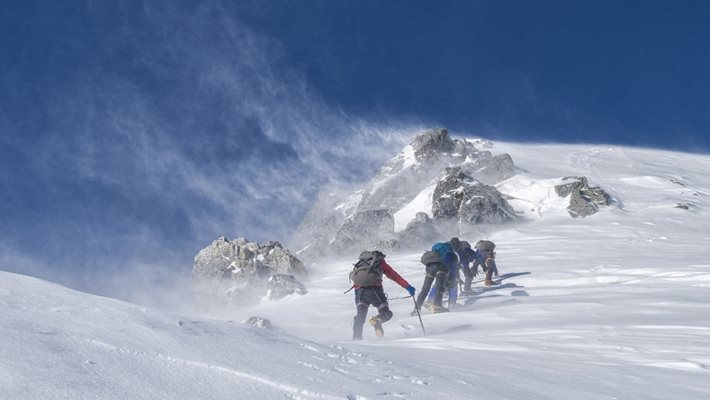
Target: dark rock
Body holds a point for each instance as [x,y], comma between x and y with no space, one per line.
[684,206]
[365,230]
[585,200]
[420,231]
[420,222]
[236,272]
[279,260]
[258,322]
[400,179]
[491,169]
[280,286]
[432,143]
[458,196]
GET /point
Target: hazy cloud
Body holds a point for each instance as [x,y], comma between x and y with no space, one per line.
[199,130]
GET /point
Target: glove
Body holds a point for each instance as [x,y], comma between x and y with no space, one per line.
[411,290]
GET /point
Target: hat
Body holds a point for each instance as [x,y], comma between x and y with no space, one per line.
[454,242]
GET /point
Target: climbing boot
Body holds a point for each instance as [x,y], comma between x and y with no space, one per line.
[377,324]
[467,284]
[438,309]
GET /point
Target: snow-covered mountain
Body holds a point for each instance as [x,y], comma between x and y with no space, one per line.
[435,188]
[614,305]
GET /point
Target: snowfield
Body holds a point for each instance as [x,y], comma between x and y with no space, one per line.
[612,306]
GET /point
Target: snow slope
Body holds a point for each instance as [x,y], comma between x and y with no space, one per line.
[61,344]
[612,306]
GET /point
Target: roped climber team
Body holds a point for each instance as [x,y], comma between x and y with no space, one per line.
[442,265]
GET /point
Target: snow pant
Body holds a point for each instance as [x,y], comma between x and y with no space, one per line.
[450,285]
[469,273]
[364,298]
[488,263]
[435,272]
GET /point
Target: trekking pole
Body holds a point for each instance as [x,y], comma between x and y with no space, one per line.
[416,307]
[398,298]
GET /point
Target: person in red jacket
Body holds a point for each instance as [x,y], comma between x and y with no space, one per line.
[367,282]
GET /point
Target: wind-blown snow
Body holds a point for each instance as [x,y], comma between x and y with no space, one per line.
[614,305]
[408,158]
[399,163]
[349,207]
[535,198]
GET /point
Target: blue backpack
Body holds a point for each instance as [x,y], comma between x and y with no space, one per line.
[444,249]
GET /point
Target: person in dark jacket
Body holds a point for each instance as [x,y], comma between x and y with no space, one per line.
[443,274]
[374,295]
[485,257]
[467,256]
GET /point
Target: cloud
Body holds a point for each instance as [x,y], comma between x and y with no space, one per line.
[222,59]
[188,125]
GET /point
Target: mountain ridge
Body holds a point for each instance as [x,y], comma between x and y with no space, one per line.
[450,179]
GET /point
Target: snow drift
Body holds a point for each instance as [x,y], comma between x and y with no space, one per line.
[614,305]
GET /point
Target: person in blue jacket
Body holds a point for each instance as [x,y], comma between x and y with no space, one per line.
[450,258]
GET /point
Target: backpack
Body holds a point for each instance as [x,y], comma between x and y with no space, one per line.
[443,248]
[368,269]
[485,245]
[431,257]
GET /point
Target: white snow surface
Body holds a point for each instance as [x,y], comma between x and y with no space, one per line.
[422,203]
[612,306]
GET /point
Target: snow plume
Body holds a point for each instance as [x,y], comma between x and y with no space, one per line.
[184,127]
[246,134]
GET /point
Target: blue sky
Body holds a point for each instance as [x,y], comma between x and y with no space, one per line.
[134,133]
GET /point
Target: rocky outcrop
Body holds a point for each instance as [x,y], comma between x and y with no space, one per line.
[279,260]
[421,230]
[282,285]
[490,169]
[585,200]
[432,144]
[371,229]
[447,183]
[459,196]
[335,224]
[236,272]
[421,225]
[400,179]
[258,322]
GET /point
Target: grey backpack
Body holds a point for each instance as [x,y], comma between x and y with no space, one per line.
[368,269]
[485,245]
[431,257]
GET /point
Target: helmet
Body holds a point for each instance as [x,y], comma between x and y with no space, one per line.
[455,243]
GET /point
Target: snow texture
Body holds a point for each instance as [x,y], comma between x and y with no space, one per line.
[611,306]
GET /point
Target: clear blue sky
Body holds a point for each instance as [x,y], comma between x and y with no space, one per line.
[133,133]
